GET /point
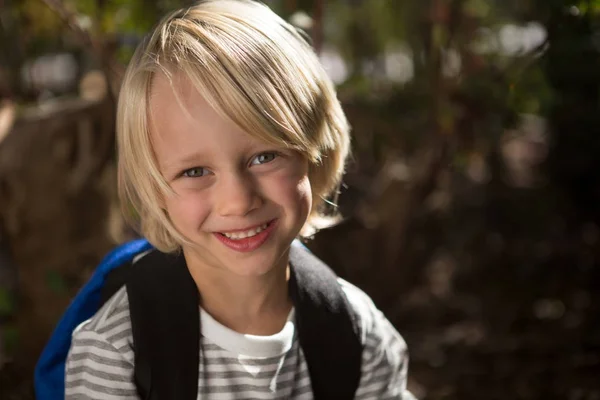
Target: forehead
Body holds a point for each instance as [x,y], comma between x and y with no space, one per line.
[183,125]
[176,103]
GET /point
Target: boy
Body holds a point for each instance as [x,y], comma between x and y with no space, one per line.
[230,137]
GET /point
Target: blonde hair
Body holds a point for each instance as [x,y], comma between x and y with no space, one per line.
[252,67]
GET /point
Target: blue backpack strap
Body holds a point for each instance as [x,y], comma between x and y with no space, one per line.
[49,376]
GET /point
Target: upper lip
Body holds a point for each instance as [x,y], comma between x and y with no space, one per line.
[246,229]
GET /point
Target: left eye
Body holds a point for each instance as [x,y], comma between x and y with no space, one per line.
[263,158]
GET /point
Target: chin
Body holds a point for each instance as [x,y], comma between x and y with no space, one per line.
[251,271]
[255,263]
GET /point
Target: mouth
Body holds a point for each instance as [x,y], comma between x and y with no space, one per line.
[246,233]
[247,239]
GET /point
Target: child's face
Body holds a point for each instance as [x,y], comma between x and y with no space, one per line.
[226,183]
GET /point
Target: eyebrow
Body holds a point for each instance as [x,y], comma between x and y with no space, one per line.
[189,160]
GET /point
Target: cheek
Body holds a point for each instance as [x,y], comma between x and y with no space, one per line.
[298,187]
[186,209]
[305,194]
[293,192]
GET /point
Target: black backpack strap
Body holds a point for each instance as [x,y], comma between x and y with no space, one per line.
[114,280]
[165,323]
[164,308]
[327,327]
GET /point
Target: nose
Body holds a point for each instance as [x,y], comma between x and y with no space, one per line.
[237,195]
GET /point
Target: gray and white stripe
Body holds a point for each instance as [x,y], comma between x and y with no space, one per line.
[101,359]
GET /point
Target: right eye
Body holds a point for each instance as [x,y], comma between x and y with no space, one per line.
[195,172]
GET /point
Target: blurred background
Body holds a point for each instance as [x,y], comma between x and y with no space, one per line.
[472,204]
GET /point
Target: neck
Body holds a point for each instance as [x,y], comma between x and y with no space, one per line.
[257,305]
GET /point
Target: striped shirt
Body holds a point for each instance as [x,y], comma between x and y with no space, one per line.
[233,366]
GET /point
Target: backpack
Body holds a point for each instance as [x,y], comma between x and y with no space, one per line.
[163,301]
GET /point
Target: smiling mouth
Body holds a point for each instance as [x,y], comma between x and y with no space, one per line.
[239,235]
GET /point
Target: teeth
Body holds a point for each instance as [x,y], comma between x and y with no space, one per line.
[247,234]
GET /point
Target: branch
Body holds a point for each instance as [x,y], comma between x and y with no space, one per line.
[110,66]
[70,19]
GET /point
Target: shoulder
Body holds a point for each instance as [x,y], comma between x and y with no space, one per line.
[100,361]
[385,354]
[115,310]
[111,325]
[374,326]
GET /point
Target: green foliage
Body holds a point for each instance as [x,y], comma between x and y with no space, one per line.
[10,336]
[42,29]
[128,16]
[477,8]
[587,6]
[124,54]
[491,82]
[489,85]
[37,19]
[56,282]
[530,92]
[6,302]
